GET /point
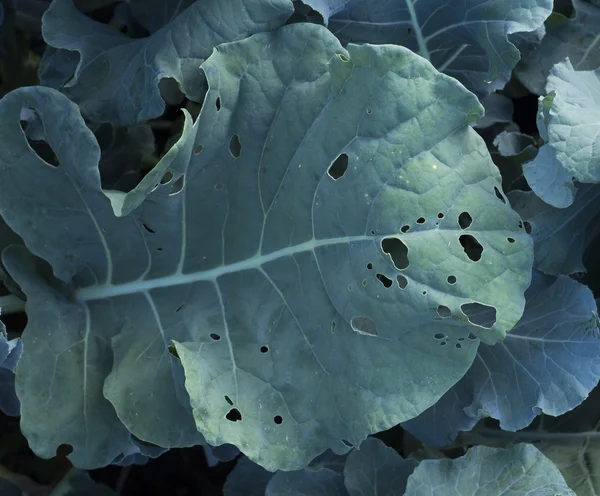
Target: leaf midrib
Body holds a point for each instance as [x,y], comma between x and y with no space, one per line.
[179,278]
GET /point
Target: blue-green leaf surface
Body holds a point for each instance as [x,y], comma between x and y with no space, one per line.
[577,39]
[560,235]
[117,77]
[569,122]
[548,363]
[376,469]
[246,479]
[281,273]
[307,482]
[516,471]
[468,40]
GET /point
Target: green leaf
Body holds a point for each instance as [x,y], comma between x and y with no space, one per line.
[375,468]
[277,268]
[520,469]
[468,40]
[569,122]
[552,357]
[560,235]
[117,77]
[577,40]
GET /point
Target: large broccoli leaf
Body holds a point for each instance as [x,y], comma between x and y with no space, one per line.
[468,40]
[117,77]
[319,246]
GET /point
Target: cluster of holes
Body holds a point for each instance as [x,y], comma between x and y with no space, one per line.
[338,167]
[234,415]
[444,340]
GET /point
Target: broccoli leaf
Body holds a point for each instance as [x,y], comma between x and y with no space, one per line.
[320,254]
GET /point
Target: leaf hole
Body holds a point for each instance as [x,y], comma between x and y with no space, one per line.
[364,325]
[439,336]
[465,220]
[264,349]
[369,111]
[397,251]
[364,283]
[173,350]
[180,308]
[235,147]
[159,248]
[167,178]
[332,326]
[421,220]
[424,293]
[440,215]
[499,195]
[458,345]
[527,227]
[405,229]
[444,312]
[218,104]
[443,343]
[177,186]
[386,281]
[402,281]
[214,336]
[479,314]
[37,136]
[338,167]
[278,419]
[451,279]
[343,58]
[471,337]
[369,266]
[218,186]
[228,400]
[198,149]
[148,228]
[234,415]
[347,443]
[471,247]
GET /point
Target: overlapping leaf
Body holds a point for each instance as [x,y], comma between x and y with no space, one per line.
[548,363]
[520,469]
[569,122]
[117,77]
[468,40]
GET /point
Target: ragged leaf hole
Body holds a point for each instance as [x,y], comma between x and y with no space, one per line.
[234,415]
[383,279]
[338,167]
[41,148]
[465,220]
[397,251]
[364,325]
[471,247]
[444,312]
[167,178]
[499,195]
[235,147]
[402,281]
[479,314]
[177,186]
